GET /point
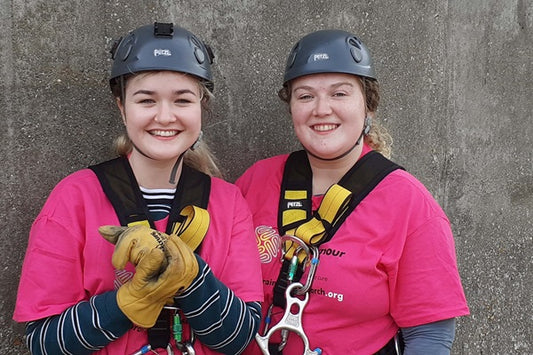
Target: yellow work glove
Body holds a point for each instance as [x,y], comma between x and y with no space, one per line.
[142,298]
[132,243]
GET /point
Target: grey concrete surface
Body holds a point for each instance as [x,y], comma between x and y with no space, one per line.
[457,83]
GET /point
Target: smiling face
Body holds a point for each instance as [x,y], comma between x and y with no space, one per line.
[328,112]
[162,114]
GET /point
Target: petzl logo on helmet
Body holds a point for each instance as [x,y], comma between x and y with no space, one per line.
[164,52]
[320,56]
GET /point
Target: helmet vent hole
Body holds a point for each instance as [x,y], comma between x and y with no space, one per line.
[356,54]
[353,41]
[292,56]
[199,54]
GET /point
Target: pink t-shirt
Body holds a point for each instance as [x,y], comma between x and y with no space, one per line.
[391,264]
[67,260]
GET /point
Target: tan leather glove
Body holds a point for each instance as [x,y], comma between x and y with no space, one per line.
[132,243]
[142,298]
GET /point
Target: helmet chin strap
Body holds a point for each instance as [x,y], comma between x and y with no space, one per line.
[364,132]
[172,179]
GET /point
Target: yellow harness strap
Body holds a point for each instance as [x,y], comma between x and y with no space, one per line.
[194,227]
[312,232]
[144,222]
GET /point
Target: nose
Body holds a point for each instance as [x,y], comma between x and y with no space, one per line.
[322,107]
[165,114]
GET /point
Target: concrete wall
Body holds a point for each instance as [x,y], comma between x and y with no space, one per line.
[457,83]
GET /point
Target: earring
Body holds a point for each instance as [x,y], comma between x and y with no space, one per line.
[368,125]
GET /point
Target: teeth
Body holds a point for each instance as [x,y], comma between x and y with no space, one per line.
[163,133]
[324,127]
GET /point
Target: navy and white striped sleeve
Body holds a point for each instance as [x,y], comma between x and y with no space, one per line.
[220,320]
[85,327]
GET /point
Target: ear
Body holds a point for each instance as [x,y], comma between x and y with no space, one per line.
[121,109]
[111,233]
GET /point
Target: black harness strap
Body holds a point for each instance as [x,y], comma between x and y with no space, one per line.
[121,188]
[364,176]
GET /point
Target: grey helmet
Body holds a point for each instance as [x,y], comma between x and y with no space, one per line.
[329,51]
[162,46]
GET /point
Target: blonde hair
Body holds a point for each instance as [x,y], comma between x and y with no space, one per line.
[200,158]
[378,137]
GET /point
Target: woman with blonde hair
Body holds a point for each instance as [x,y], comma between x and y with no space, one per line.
[174,282]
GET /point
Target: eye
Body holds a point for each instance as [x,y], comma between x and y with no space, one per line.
[305,97]
[146,101]
[340,94]
[183,101]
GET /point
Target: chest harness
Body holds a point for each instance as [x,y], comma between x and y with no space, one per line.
[188,219]
[303,231]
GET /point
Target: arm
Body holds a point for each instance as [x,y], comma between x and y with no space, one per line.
[221,321]
[433,338]
[81,329]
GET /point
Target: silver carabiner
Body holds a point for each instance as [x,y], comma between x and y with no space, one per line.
[312,258]
[169,350]
[290,321]
[187,349]
[294,239]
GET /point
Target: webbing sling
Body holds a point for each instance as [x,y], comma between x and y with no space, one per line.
[295,216]
[188,217]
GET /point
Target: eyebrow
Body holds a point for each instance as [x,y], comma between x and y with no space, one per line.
[332,86]
[176,92]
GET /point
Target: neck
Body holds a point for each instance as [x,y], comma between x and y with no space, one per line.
[327,173]
[153,174]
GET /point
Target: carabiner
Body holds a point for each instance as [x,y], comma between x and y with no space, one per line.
[169,350]
[312,258]
[301,245]
[186,349]
[290,322]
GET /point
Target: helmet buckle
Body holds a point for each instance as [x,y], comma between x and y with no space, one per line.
[162,29]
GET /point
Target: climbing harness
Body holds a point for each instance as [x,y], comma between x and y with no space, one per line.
[188,219]
[303,232]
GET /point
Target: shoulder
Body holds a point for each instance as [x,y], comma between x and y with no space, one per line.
[76,189]
[81,180]
[407,183]
[262,170]
[406,195]
[220,186]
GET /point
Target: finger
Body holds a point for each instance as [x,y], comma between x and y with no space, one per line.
[134,243]
[149,267]
[111,233]
[173,255]
[123,253]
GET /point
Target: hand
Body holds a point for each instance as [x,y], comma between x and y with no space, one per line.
[142,298]
[132,243]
